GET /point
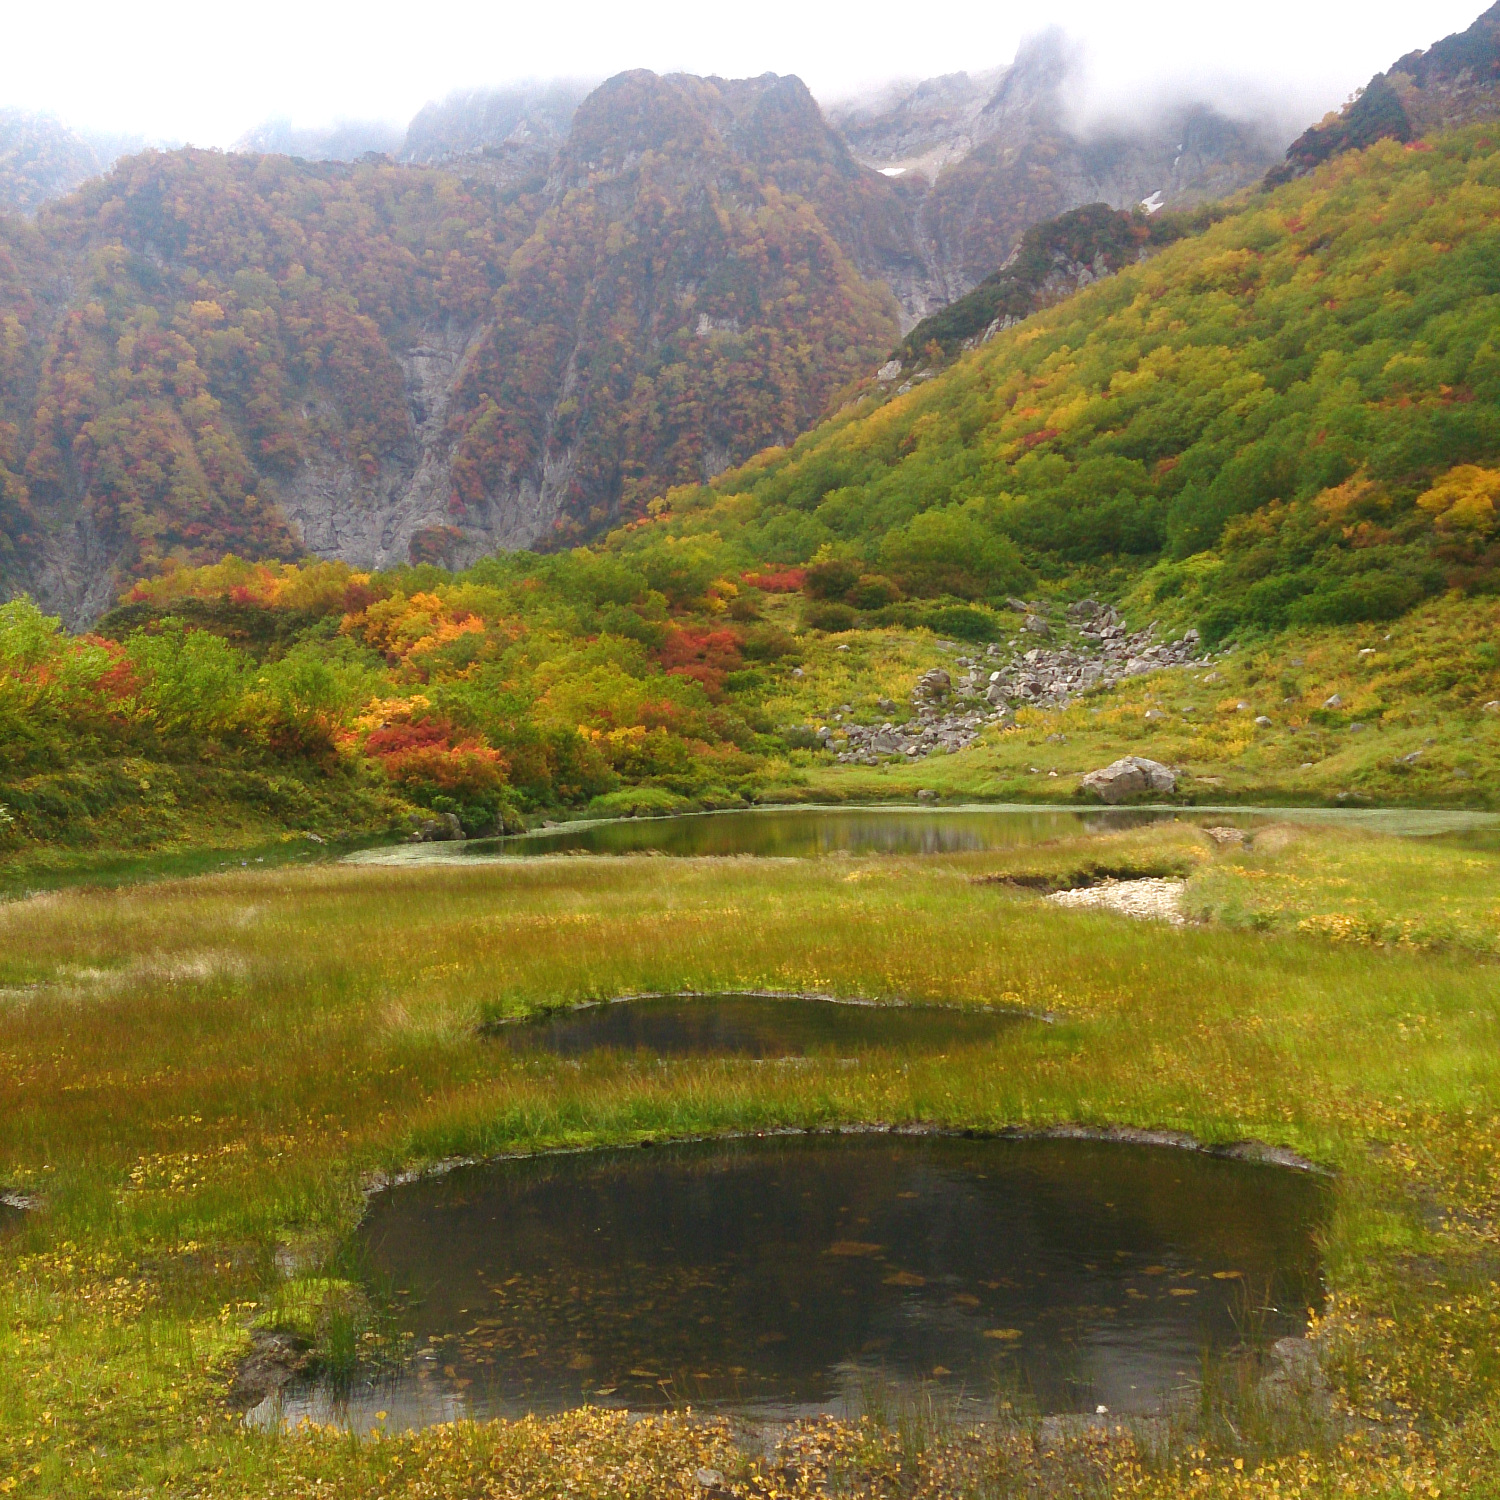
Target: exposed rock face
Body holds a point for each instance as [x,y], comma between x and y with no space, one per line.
[982,158]
[1130,777]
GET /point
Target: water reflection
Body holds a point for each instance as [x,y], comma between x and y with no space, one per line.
[806,832]
[779,1276]
[748,1025]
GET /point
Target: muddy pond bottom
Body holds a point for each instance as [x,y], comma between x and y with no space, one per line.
[750,1025]
[783,1276]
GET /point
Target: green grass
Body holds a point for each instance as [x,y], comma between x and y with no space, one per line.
[195,1073]
[1418,686]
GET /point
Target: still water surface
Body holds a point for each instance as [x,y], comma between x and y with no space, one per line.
[747,1025]
[786,1275]
[808,832]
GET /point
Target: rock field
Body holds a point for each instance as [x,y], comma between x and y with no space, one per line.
[950,711]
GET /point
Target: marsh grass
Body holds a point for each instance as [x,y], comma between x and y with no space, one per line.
[198,1077]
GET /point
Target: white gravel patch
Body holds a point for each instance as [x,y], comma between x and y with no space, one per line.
[1151,900]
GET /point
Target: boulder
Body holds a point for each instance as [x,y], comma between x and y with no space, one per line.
[1131,776]
[434,828]
[933,684]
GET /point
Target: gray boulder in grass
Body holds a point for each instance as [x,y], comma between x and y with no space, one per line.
[1131,776]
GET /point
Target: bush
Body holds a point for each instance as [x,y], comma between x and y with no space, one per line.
[831,618]
[963,622]
[640,802]
[953,550]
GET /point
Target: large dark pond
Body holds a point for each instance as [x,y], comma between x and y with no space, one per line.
[794,1274]
[744,1025]
[804,832]
[807,832]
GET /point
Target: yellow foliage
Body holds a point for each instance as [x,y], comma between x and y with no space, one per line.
[1464,499]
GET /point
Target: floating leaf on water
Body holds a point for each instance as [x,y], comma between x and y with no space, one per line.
[1154,1271]
[1184,1291]
[966,1299]
[1003,1333]
[905,1278]
[1228,1275]
[941,1370]
[853,1247]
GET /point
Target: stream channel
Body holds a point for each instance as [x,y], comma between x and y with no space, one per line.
[785,1275]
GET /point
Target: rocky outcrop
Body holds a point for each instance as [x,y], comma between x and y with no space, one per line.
[1129,778]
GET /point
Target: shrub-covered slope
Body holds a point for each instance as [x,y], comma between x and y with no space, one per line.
[1293,417]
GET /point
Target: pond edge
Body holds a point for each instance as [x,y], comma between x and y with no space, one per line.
[1260,1153]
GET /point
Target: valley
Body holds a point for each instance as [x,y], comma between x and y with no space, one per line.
[711,795]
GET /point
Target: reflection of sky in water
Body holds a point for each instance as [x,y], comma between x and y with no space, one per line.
[785,1275]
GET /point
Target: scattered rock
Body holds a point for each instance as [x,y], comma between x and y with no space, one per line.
[798,672]
[1037,626]
[1493,706]
[926,795]
[1335,701]
[1262,722]
[1153,899]
[434,828]
[1358,728]
[274,1360]
[1130,776]
[1226,835]
[889,371]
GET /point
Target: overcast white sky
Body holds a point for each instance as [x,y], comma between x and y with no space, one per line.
[207,72]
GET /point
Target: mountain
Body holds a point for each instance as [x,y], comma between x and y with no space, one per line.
[347,140]
[1290,416]
[982,159]
[513,132]
[40,159]
[1454,82]
[385,363]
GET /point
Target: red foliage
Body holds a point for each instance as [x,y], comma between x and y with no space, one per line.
[119,682]
[777,580]
[425,754]
[704,655]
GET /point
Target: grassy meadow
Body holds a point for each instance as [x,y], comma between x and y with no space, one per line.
[199,1076]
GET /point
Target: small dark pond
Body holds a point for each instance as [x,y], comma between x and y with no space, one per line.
[789,1275]
[739,1025]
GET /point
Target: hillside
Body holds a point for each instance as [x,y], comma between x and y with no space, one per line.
[1283,430]
[1288,417]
